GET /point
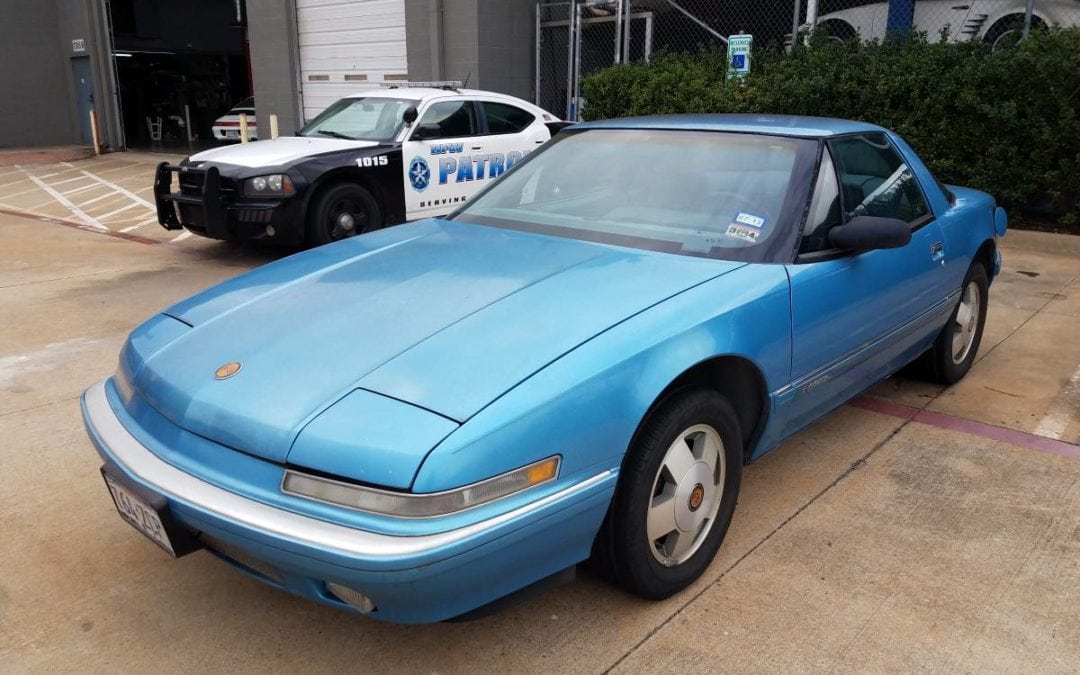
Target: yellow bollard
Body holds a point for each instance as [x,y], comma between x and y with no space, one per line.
[95,132]
[243,128]
[273,127]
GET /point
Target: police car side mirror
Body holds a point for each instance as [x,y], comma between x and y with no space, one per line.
[429,130]
[409,115]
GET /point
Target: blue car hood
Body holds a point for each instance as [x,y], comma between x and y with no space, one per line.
[441,315]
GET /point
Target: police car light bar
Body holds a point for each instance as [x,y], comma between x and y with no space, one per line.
[443,84]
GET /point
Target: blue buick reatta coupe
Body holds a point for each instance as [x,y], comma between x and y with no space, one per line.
[421,421]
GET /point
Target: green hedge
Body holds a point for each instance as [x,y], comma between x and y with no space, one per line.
[1003,121]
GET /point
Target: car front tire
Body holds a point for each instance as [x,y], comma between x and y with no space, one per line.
[676,495]
[342,210]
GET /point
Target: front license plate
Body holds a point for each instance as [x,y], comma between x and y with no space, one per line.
[139,513]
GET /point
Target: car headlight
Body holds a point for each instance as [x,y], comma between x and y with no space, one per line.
[407,505]
[274,185]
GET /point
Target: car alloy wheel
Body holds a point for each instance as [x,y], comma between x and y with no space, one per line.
[687,493]
[966,322]
[342,210]
[678,487]
[347,218]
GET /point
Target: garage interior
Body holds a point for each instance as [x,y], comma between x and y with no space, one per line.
[170,55]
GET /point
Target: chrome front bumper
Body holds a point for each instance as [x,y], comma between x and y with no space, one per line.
[270,522]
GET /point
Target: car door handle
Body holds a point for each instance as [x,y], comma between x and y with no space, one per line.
[477,147]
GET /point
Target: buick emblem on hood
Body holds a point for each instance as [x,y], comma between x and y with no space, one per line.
[228,370]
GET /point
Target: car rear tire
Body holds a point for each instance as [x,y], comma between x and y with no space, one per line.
[675,498]
[342,210]
[954,350]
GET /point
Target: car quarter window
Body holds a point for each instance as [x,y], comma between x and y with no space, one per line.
[503,118]
[453,118]
[824,208]
[875,180]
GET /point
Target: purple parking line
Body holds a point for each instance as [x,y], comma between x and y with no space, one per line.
[963,425]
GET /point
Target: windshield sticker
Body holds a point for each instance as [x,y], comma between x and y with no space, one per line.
[750,220]
[743,233]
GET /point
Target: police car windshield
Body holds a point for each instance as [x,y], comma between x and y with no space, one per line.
[699,193]
[368,119]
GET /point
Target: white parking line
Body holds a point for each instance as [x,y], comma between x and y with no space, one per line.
[61,172]
[67,203]
[22,192]
[110,214]
[182,237]
[140,224]
[66,180]
[88,202]
[81,188]
[1057,418]
[122,190]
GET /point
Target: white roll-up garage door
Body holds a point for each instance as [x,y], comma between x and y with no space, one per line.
[347,45]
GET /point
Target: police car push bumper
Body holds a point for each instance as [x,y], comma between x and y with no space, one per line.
[400,578]
[204,209]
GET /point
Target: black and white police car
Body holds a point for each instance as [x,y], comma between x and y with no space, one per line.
[380,157]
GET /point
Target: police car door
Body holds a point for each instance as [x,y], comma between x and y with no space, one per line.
[511,133]
[439,158]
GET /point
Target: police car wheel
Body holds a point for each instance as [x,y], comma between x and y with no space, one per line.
[340,211]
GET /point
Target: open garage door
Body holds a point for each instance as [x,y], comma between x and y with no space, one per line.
[346,45]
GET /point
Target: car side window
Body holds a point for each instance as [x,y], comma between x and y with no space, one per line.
[824,208]
[453,118]
[875,181]
[506,119]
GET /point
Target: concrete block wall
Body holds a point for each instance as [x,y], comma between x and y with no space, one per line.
[507,46]
[34,77]
[275,67]
[490,42]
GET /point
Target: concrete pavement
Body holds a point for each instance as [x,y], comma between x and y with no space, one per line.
[869,542]
[110,193]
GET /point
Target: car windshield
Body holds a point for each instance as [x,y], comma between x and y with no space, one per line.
[700,193]
[369,119]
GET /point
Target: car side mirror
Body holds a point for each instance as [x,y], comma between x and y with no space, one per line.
[868,233]
[425,131]
[409,115]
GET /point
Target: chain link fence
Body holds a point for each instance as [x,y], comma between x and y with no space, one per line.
[577,37]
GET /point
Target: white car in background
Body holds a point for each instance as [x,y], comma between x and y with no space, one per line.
[997,22]
[227,127]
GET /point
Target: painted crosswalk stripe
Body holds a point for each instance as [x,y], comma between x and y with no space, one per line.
[1065,406]
[122,190]
[112,213]
[64,201]
[138,225]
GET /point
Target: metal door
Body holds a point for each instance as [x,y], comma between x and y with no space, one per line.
[84,96]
